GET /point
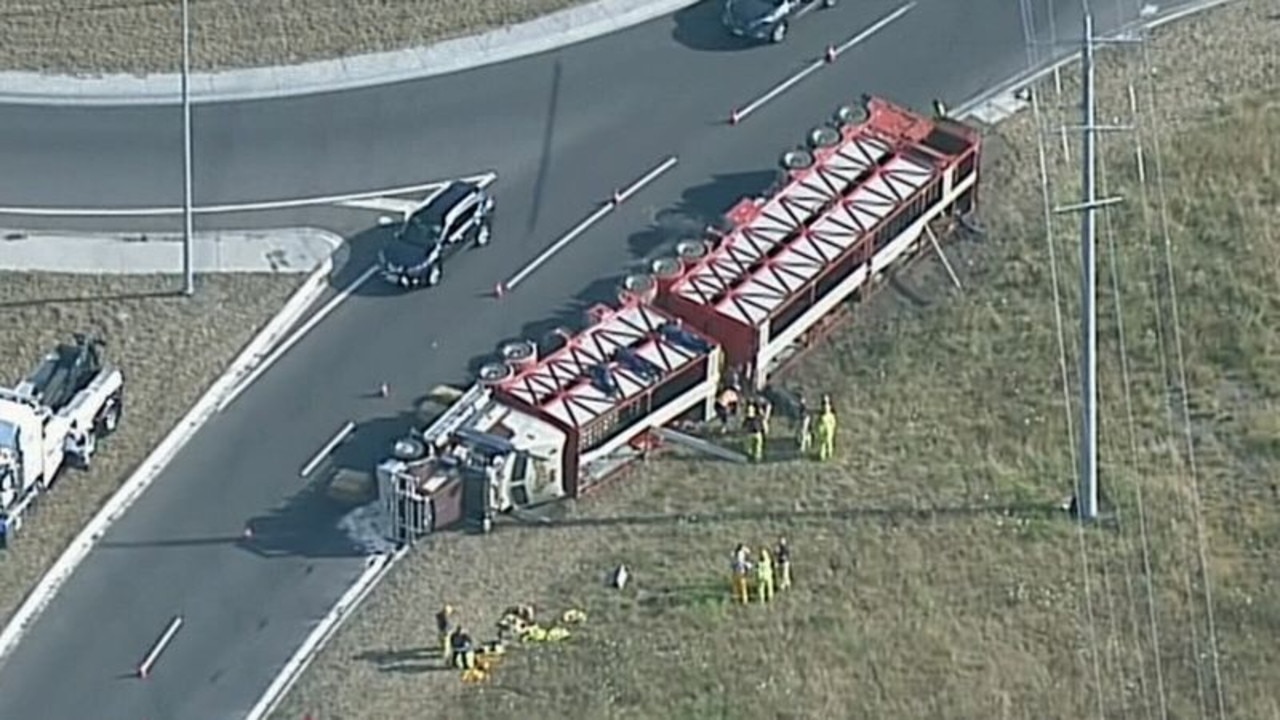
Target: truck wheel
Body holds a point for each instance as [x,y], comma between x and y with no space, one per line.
[434,274]
[779,33]
[484,234]
[109,417]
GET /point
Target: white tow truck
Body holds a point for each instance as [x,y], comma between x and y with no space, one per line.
[55,417]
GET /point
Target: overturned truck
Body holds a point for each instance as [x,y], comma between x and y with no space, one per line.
[865,194]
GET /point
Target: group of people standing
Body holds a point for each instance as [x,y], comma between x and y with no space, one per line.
[771,572]
[810,429]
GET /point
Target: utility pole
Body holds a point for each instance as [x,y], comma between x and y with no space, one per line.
[188,269]
[1086,495]
[1087,492]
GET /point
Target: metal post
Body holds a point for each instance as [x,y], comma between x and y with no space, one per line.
[1087,493]
[188,270]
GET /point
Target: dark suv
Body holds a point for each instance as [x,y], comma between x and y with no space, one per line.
[460,213]
[765,19]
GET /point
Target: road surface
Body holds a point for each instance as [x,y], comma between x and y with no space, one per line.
[562,130]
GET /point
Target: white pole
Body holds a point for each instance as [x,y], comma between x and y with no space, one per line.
[1087,495]
[188,272]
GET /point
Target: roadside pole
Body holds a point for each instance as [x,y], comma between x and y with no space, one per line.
[188,273]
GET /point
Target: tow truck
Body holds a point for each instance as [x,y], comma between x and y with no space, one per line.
[54,418]
[861,194]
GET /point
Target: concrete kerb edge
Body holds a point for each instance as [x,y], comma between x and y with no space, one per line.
[323,632]
[566,27]
[45,590]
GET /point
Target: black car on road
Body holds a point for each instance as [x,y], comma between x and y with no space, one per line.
[461,213]
[766,19]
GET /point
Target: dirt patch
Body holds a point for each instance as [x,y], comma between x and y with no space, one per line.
[170,348]
[937,575]
[145,36]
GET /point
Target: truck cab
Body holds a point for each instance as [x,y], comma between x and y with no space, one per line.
[54,417]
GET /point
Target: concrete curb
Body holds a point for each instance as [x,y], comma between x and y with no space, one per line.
[292,251]
[566,27]
[323,632]
[150,469]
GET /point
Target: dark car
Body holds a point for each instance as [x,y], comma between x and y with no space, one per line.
[765,19]
[458,214]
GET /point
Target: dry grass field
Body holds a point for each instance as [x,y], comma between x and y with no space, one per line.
[145,36]
[170,349]
[936,575]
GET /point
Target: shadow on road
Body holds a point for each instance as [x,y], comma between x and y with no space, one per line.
[698,27]
[699,207]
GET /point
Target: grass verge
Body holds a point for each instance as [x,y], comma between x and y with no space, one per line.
[145,36]
[170,348]
[935,576]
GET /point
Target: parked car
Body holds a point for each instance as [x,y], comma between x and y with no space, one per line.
[765,19]
[459,214]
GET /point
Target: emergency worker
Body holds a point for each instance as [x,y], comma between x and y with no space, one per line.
[741,566]
[782,570]
[444,628]
[755,434]
[764,576]
[826,430]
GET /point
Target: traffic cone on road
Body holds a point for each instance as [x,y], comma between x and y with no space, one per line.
[383,390]
[735,117]
[832,53]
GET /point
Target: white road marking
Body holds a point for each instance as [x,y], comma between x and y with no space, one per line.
[319,457]
[483,179]
[394,206]
[145,667]
[296,336]
[619,197]
[816,65]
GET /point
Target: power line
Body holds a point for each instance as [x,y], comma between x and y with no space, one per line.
[1197,514]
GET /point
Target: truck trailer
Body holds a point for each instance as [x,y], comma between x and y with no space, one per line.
[54,418]
[537,429]
[861,196]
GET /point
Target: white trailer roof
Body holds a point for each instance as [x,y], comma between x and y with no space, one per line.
[565,384]
[742,287]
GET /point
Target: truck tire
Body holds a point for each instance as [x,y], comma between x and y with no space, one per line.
[108,420]
[779,32]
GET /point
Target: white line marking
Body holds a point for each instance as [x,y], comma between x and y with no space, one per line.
[484,180]
[145,668]
[296,336]
[609,205]
[647,178]
[395,206]
[816,65]
[319,457]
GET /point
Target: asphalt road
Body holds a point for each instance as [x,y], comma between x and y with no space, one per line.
[562,130]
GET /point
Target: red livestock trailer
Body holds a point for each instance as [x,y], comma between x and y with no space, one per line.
[869,190]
